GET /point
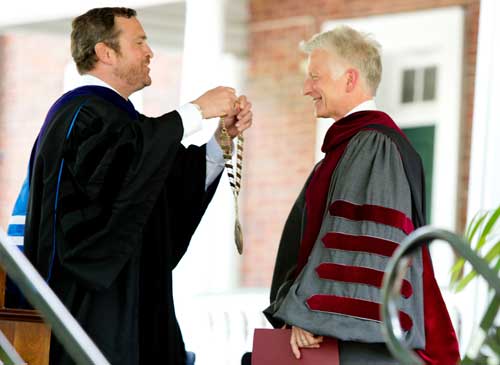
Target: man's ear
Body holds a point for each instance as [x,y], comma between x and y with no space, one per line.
[352,79]
[104,53]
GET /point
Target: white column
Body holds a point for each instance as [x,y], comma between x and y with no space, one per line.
[210,265]
[202,57]
[484,169]
[203,46]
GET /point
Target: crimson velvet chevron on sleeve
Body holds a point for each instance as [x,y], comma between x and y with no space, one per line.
[359,203]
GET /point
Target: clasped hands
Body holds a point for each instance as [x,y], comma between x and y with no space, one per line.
[223,102]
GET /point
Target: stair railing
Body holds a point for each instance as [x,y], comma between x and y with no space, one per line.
[394,275]
[65,327]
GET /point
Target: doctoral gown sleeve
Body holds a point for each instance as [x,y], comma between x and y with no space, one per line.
[369,212]
[187,197]
[112,173]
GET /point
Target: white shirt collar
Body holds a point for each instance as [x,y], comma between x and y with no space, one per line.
[91,80]
[365,105]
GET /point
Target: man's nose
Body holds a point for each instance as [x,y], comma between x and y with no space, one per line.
[149,51]
[306,90]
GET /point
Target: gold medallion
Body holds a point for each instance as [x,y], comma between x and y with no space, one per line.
[238,236]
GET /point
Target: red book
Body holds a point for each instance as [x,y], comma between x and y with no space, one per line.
[272,347]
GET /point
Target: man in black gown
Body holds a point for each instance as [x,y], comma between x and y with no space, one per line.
[115,197]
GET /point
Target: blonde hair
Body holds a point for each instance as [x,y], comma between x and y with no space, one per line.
[356,48]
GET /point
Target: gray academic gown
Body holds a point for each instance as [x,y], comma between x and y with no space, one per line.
[326,298]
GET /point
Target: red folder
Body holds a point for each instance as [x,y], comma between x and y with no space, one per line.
[272,347]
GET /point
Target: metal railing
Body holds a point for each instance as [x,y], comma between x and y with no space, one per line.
[394,275]
[67,330]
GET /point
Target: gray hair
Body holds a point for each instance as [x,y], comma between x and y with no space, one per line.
[356,48]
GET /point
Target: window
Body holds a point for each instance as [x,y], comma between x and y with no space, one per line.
[419,84]
[429,83]
[408,86]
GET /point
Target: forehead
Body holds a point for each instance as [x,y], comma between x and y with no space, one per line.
[129,27]
[319,59]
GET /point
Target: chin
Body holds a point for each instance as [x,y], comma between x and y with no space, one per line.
[146,82]
[320,114]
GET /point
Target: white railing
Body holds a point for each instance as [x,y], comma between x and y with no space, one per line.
[219,328]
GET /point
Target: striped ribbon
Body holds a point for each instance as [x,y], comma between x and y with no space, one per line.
[234,175]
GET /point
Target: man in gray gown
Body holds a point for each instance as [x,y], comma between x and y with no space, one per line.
[358,204]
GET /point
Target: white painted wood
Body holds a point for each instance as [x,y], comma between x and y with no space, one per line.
[484,193]
[28,11]
[212,252]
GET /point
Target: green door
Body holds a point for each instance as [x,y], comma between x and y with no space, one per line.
[422,139]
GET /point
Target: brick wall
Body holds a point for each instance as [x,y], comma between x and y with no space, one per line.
[32,78]
[280,146]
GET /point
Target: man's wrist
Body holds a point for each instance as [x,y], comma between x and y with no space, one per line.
[217,136]
[200,110]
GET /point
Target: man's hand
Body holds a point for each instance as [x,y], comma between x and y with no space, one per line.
[242,120]
[239,122]
[217,102]
[304,339]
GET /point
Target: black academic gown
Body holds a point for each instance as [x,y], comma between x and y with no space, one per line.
[114,201]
